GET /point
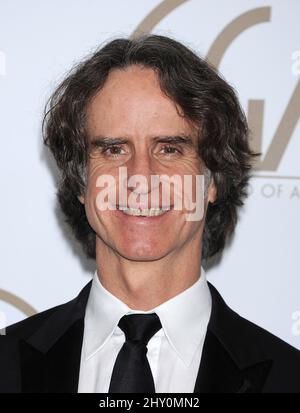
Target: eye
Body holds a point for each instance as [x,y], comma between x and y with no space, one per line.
[113,150]
[170,150]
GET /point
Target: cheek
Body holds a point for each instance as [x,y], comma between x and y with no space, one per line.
[99,183]
[189,193]
[91,194]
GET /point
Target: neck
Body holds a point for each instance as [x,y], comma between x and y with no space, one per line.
[143,285]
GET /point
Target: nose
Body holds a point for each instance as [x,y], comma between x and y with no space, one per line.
[139,169]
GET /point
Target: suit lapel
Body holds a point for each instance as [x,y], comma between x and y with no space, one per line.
[57,370]
[50,359]
[218,372]
[229,363]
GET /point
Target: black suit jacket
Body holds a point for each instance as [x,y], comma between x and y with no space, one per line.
[42,353]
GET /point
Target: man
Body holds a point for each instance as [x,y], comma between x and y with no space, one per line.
[149,321]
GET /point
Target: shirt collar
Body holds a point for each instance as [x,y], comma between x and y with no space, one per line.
[184,318]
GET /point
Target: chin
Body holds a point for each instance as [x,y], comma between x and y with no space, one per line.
[142,252]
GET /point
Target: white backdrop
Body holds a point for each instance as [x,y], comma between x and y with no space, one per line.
[259,273]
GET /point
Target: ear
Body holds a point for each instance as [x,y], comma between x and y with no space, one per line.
[212,192]
[81,199]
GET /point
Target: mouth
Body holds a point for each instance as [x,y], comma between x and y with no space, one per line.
[145,213]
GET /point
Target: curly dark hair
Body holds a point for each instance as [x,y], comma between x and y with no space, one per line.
[203,95]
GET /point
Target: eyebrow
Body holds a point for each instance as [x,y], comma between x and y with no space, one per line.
[103,141]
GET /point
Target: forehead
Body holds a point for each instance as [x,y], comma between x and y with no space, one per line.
[132,102]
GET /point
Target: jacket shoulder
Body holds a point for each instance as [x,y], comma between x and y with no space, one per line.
[284,376]
[234,328]
[53,318]
[249,344]
[25,328]
[271,344]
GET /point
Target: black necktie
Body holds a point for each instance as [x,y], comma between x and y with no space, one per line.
[131,372]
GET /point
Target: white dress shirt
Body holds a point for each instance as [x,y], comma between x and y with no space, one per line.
[174,352]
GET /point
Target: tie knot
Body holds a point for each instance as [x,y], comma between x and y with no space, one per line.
[140,327]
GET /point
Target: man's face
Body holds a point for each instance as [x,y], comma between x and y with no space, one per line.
[132,124]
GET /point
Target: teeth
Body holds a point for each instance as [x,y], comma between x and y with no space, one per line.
[152,212]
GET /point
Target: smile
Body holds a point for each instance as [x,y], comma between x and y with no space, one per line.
[137,212]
